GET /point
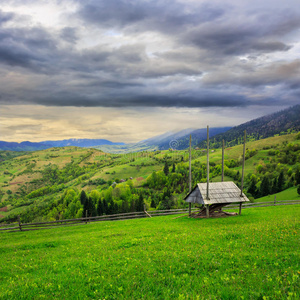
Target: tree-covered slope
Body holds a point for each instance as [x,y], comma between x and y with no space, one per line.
[62,183]
[284,121]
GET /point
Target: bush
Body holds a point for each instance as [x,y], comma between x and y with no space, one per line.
[298,189]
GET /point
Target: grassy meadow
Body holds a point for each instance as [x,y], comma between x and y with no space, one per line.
[289,194]
[252,256]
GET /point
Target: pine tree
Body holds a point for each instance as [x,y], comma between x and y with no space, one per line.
[83,197]
[125,206]
[105,207]
[140,203]
[100,208]
[132,206]
[110,207]
[265,187]
[166,168]
[297,177]
[252,188]
[173,169]
[274,186]
[165,203]
[280,182]
[152,204]
[86,208]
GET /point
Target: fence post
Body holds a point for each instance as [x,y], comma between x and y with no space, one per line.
[86,217]
[146,212]
[19,220]
[275,200]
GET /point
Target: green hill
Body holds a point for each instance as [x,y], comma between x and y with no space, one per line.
[48,184]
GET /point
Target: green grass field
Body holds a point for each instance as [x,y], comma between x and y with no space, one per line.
[252,256]
[289,194]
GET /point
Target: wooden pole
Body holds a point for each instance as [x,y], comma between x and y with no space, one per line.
[275,200]
[190,173]
[86,217]
[207,185]
[222,160]
[19,221]
[190,164]
[240,210]
[145,211]
[244,150]
[207,210]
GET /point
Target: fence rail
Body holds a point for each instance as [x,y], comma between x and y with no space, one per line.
[125,216]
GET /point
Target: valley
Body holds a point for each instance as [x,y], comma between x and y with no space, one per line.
[49,184]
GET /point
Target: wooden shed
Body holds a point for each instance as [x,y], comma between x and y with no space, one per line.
[220,194]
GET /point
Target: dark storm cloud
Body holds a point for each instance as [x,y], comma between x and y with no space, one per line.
[5,17]
[285,73]
[27,48]
[69,34]
[166,16]
[138,99]
[251,35]
[199,66]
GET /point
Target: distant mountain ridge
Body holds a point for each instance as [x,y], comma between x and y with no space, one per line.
[263,127]
[180,140]
[30,146]
[260,128]
[80,142]
[23,146]
[175,140]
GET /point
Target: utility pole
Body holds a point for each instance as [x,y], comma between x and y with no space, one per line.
[207,167]
[244,152]
[190,172]
[222,160]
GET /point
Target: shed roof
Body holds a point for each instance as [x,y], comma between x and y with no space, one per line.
[219,192]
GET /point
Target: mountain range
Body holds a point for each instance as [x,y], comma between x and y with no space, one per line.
[287,120]
[29,146]
[283,121]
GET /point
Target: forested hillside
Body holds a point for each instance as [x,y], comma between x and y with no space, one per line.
[61,183]
[282,122]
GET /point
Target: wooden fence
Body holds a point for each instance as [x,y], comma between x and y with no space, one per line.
[133,215]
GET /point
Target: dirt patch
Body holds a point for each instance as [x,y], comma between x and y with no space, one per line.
[215,214]
[12,183]
[4,209]
[140,179]
[1,216]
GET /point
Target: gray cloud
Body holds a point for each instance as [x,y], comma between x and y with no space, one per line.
[252,34]
[5,17]
[164,54]
[28,48]
[69,34]
[167,16]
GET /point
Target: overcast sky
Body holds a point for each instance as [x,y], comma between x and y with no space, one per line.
[129,70]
